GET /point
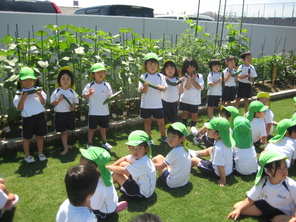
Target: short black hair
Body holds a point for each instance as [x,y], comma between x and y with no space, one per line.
[189,62]
[225,112]
[81,181]
[214,62]
[231,57]
[244,54]
[169,63]
[19,85]
[291,129]
[151,60]
[174,132]
[70,74]
[147,217]
[89,162]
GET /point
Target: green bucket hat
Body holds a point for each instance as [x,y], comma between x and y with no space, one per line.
[267,156]
[137,137]
[242,133]
[181,128]
[222,126]
[294,98]
[281,128]
[97,67]
[294,117]
[233,111]
[148,56]
[254,107]
[101,157]
[27,73]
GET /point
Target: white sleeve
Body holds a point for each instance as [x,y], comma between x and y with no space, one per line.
[162,81]
[3,199]
[255,193]
[53,96]
[86,89]
[253,73]
[210,80]
[140,85]
[16,100]
[201,81]
[76,98]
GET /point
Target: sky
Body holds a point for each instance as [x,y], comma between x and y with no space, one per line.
[265,8]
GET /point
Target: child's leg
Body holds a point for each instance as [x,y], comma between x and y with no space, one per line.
[103,134]
[237,102]
[210,111]
[195,161]
[40,142]
[161,126]
[147,125]
[158,160]
[223,103]
[283,218]
[26,146]
[64,137]
[228,103]
[10,196]
[185,115]
[194,117]
[200,153]
[246,104]
[119,178]
[252,210]
[90,135]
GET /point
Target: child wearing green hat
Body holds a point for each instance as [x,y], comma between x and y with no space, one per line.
[30,100]
[104,203]
[64,99]
[256,113]
[151,104]
[244,153]
[174,169]
[284,142]
[135,173]
[221,162]
[97,92]
[268,118]
[274,192]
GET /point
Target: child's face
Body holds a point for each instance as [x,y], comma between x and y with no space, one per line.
[151,66]
[216,68]
[293,135]
[27,83]
[190,69]
[65,81]
[247,60]
[260,114]
[213,134]
[280,173]
[230,64]
[170,71]
[99,76]
[137,151]
[264,100]
[174,140]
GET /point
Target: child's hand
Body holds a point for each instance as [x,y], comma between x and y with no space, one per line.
[220,79]
[24,95]
[188,75]
[182,79]
[38,93]
[193,76]
[221,182]
[161,88]
[2,180]
[234,214]
[91,91]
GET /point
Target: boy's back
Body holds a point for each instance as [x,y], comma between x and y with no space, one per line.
[258,129]
[222,156]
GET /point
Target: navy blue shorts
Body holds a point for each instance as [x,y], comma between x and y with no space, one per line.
[164,176]
[95,121]
[188,107]
[102,216]
[228,93]
[34,125]
[170,111]
[156,113]
[244,90]
[208,141]
[266,209]
[64,121]
[213,101]
[206,167]
[132,189]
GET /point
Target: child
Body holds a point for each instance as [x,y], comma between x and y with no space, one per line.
[31,104]
[284,142]
[221,162]
[255,115]
[64,118]
[104,202]
[230,80]
[274,192]
[268,118]
[7,199]
[171,96]
[244,154]
[81,182]
[135,173]
[174,169]
[246,76]
[98,91]
[215,87]
[191,97]
[151,105]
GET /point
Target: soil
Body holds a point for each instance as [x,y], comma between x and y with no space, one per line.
[279,85]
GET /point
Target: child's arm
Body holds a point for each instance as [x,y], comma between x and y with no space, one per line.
[41,98]
[226,77]
[57,101]
[120,160]
[215,83]
[87,95]
[194,83]
[245,204]
[188,84]
[117,169]
[222,181]
[20,105]
[144,88]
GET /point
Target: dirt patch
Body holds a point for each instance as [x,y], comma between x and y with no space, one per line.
[279,85]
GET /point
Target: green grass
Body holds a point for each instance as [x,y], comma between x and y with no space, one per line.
[41,186]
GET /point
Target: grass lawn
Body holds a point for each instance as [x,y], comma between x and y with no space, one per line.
[41,189]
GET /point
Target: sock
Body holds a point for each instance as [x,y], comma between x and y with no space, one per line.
[104,142]
[184,121]
[150,137]
[197,153]
[193,123]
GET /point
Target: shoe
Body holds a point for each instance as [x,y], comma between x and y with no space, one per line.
[121,206]
[88,146]
[194,131]
[107,146]
[164,139]
[42,157]
[151,142]
[196,141]
[8,207]
[30,159]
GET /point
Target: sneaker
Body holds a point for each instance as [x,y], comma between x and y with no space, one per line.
[151,142]
[107,146]
[88,146]
[8,207]
[164,139]
[196,141]
[194,131]
[30,159]
[121,206]
[42,157]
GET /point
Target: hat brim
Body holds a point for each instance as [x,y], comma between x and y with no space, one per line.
[264,108]
[66,68]
[133,143]
[98,70]
[28,77]
[208,126]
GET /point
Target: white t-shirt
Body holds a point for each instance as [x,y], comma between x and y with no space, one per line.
[32,105]
[105,198]
[245,70]
[152,98]
[222,156]
[3,199]
[69,213]
[143,173]
[172,94]
[101,92]
[179,165]
[245,160]
[268,118]
[278,196]
[258,129]
[231,80]
[192,96]
[285,146]
[215,90]
[63,106]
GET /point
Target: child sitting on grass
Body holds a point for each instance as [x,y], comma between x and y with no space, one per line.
[174,169]
[268,118]
[104,202]
[221,162]
[81,182]
[7,199]
[135,173]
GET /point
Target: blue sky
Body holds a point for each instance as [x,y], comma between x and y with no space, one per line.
[266,7]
